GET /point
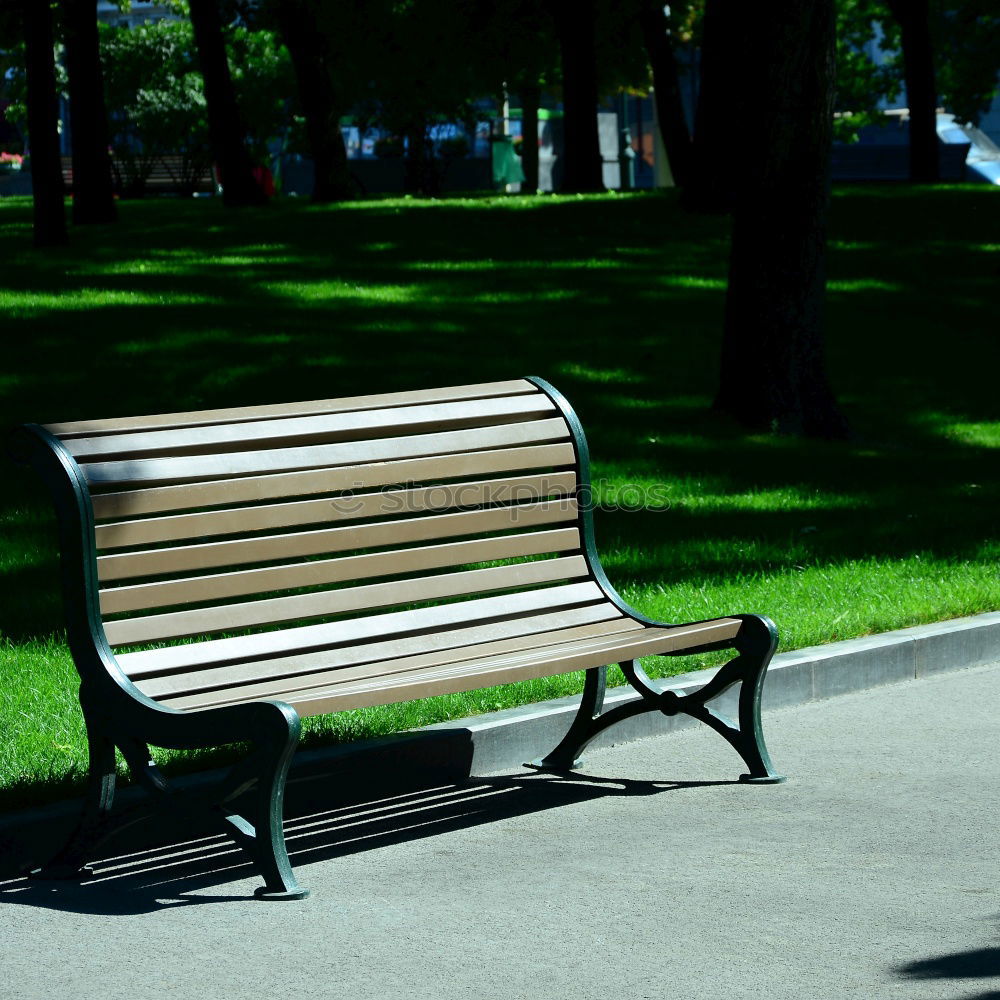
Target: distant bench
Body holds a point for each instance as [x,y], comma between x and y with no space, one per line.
[226,571]
[167,176]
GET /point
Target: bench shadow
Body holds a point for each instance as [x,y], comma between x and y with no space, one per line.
[177,874]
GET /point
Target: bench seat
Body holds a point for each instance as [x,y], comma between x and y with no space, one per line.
[421,665]
[226,572]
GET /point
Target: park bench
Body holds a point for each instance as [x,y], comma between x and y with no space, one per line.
[168,174]
[227,571]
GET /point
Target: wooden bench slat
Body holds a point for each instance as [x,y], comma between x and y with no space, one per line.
[214,493]
[326,428]
[243,463]
[220,586]
[357,506]
[267,411]
[186,558]
[199,691]
[280,669]
[505,668]
[400,684]
[225,617]
[309,638]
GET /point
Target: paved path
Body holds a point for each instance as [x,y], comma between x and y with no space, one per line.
[872,873]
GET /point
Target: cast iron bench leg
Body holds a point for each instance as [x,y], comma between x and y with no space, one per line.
[268,842]
[92,828]
[585,726]
[262,774]
[755,646]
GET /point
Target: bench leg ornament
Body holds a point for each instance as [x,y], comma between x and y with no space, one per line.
[261,774]
[755,646]
[264,840]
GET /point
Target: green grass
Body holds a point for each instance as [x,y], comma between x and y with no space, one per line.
[617,300]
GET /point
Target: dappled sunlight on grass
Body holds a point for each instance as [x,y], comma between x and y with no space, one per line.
[864,285]
[616,376]
[535,266]
[619,302]
[694,281]
[980,434]
[328,290]
[839,245]
[179,341]
[23,305]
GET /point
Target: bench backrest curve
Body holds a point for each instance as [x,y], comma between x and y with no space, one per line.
[56,467]
[587,501]
[331,521]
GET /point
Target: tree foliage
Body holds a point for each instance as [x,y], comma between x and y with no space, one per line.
[968,44]
[862,82]
[13,62]
[156,94]
[156,99]
[265,86]
[965,39]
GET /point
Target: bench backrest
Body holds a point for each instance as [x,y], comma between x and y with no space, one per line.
[167,172]
[245,520]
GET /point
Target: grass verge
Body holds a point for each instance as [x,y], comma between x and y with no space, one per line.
[618,301]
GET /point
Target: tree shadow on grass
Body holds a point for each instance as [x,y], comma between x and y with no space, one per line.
[619,302]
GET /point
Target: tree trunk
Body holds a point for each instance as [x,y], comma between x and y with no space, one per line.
[582,168]
[420,174]
[322,110]
[43,125]
[921,87]
[710,187]
[93,189]
[225,127]
[667,91]
[773,373]
[531,97]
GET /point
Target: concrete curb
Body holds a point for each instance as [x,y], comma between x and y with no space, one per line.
[452,751]
[506,739]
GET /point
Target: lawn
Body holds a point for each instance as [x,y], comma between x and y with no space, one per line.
[615,299]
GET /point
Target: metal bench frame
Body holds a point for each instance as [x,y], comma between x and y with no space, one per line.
[119,715]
